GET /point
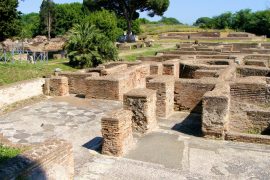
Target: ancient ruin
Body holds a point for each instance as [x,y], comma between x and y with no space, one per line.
[225,85]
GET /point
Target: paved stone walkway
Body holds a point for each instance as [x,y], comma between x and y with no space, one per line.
[172,151]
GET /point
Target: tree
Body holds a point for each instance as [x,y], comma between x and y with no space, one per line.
[30,25]
[169,21]
[106,22]
[88,47]
[9,21]
[66,15]
[223,21]
[128,9]
[204,22]
[242,19]
[47,18]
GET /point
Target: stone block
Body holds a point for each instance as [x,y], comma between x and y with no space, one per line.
[142,102]
[117,132]
[216,110]
[164,85]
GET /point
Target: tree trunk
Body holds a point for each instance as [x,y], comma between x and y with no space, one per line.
[129,30]
[49,26]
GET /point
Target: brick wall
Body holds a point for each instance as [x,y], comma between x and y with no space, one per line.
[188,93]
[52,159]
[77,82]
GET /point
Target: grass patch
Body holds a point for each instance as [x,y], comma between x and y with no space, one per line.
[7,153]
[19,71]
[151,51]
[155,29]
[253,131]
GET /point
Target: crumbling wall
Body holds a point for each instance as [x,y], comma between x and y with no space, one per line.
[56,86]
[216,110]
[142,103]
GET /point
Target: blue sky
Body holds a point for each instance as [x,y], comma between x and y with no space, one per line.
[187,11]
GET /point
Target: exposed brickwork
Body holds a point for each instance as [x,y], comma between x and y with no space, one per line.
[164,85]
[189,93]
[113,87]
[171,67]
[117,132]
[142,102]
[56,86]
[248,138]
[49,160]
[77,82]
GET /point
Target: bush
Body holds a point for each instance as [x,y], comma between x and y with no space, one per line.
[106,22]
[88,47]
[122,23]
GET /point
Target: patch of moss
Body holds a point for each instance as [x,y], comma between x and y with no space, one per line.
[7,153]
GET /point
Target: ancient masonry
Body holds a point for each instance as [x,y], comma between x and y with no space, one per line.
[228,85]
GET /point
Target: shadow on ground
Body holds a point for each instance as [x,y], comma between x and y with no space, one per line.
[95,144]
[191,125]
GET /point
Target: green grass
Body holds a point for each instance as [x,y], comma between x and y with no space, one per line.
[8,153]
[151,51]
[156,29]
[14,72]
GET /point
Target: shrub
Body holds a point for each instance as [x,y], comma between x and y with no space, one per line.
[88,47]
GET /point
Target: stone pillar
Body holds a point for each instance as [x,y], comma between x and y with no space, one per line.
[117,132]
[171,67]
[56,86]
[156,69]
[164,85]
[216,110]
[142,102]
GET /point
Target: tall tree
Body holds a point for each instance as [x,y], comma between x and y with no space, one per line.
[9,19]
[129,8]
[47,17]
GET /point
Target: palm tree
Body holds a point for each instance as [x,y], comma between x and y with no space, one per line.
[88,47]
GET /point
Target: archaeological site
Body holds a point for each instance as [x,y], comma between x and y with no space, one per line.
[199,110]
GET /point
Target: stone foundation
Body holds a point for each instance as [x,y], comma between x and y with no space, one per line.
[142,102]
[117,132]
[171,67]
[164,85]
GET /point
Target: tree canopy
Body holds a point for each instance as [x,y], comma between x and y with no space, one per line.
[9,21]
[128,9]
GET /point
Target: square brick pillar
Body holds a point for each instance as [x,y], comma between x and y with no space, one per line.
[56,86]
[164,85]
[171,67]
[142,102]
[117,132]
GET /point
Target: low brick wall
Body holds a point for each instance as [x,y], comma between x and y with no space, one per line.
[23,90]
[142,102]
[164,85]
[113,87]
[116,68]
[252,71]
[52,159]
[189,93]
[117,132]
[247,138]
[77,82]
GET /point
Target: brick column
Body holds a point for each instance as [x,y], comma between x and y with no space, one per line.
[117,132]
[171,67]
[56,86]
[164,85]
[142,102]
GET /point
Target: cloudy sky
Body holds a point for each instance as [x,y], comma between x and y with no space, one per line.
[187,11]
